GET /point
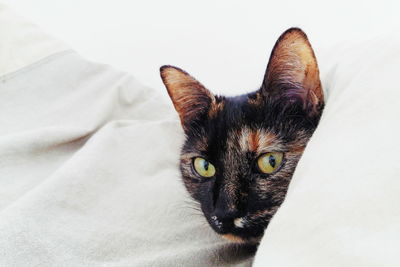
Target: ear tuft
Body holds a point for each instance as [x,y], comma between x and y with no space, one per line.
[293,72]
[190,98]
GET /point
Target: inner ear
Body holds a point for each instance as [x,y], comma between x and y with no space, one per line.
[292,72]
[190,98]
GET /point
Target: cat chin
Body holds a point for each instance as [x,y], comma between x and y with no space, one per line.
[240,240]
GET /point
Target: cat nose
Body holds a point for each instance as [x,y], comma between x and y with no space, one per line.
[225,208]
[217,223]
[223,221]
[225,211]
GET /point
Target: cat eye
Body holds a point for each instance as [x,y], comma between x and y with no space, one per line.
[270,162]
[203,167]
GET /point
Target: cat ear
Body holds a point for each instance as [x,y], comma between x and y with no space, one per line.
[292,72]
[190,98]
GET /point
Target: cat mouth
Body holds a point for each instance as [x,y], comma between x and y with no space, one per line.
[239,230]
[249,235]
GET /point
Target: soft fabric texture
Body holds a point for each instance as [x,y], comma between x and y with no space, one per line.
[342,207]
[89,166]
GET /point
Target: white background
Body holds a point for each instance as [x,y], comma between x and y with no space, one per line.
[225,44]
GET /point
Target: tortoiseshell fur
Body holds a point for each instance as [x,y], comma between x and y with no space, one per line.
[231,133]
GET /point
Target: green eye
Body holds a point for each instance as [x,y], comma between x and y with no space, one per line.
[203,167]
[270,162]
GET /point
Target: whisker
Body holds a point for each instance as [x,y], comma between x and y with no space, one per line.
[192,208]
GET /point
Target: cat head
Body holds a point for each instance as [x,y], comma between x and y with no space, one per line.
[240,152]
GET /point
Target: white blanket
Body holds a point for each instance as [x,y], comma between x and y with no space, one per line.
[88,165]
[343,204]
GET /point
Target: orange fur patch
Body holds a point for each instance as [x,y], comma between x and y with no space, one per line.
[258,141]
[233,238]
[254,138]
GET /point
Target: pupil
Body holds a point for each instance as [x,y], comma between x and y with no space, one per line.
[272,161]
[206,165]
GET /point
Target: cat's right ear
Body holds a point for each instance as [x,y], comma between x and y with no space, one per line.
[190,98]
[292,73]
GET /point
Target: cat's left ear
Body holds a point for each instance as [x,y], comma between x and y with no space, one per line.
[190,98]
[292,74]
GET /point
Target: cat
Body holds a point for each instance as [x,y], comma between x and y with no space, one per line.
[240,152]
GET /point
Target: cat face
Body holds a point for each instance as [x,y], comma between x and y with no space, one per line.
[240,152]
